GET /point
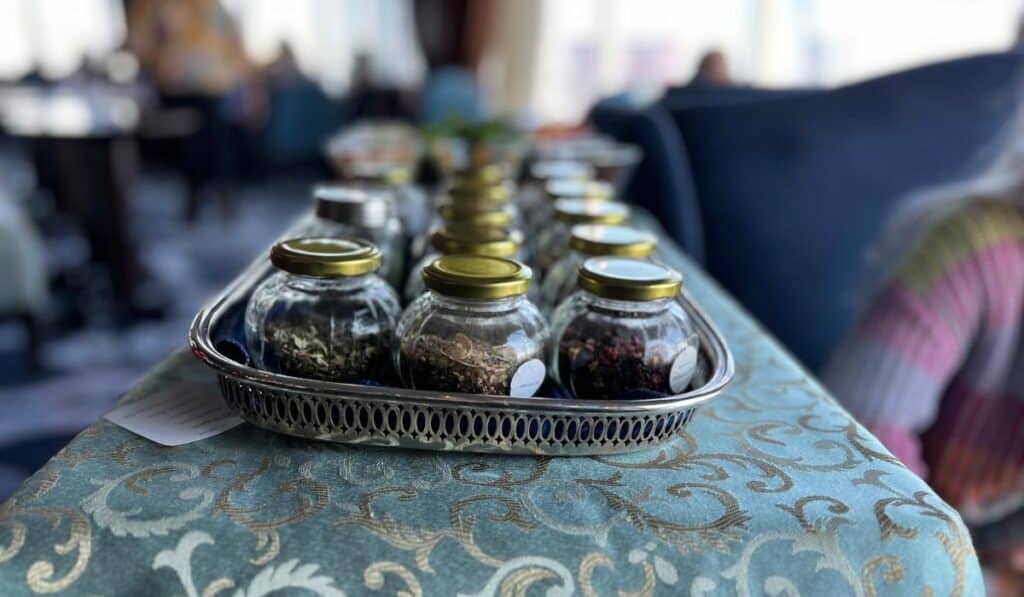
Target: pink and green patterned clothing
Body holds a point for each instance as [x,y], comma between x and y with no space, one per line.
[935,367]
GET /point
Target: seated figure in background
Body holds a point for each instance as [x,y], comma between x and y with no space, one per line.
[712,71]
[935,365]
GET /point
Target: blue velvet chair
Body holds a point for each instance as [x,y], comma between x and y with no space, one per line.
[794,190]
[661,183]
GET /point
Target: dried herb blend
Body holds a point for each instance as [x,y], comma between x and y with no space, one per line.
[325,315]
[331,353]
[474,331]
[461,364]
[610,361]
[624,335]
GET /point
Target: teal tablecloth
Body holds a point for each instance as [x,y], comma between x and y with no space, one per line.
[772,490]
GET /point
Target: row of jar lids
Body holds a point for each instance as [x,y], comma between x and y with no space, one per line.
[475,276]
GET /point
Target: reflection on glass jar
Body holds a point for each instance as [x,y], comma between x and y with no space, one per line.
[324,314]
[474,330]
[535,205]
[553,240]
[344,210]
[591,240]
[624,334]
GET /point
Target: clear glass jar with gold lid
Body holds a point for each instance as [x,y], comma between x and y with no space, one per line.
[474,330]
[481,199]
[553,240]
[487,242]
[460,219]
[586,241]
[325,313]
[536,206]
[411,204]
[345,210]
[570,188]
[624,334]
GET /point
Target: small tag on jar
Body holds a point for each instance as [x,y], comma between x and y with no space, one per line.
[527,379]
[682,369]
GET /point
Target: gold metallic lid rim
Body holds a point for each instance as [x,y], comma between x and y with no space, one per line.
[442,277]
[585,211]
[591,190]
[591,218]
[449,243]
[314,257]
[615,288]
[452,213]
[642,245]
[483,193]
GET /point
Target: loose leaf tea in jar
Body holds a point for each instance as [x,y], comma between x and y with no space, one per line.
[623,335]
[474,330]
[325,314]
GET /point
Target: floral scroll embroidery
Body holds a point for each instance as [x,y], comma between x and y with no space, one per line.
[289,575]
[122,523]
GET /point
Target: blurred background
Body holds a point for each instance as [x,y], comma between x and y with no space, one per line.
[149,149]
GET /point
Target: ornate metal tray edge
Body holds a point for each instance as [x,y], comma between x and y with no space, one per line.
[385,416]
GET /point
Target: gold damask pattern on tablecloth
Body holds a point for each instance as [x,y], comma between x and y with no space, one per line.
[773,489]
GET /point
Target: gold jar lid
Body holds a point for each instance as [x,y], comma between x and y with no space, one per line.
[579,189]
[627,279]
[459,216]
[325,257]
[618,241]
[481,175]
[384,173]
[559,169]
[491,242]
[477,277]
[489,196]
[582,211]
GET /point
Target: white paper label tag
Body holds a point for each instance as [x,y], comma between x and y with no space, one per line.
[682,369]
[181,414]
[527,379]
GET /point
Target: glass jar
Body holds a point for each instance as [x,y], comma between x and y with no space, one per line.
[474,330]
[411,204]
[568,188]
[535,205]
[553,241]
[488,242]
[623,335]
[591,240]
[489,198]
[462,221]
[349,211]
[325,314]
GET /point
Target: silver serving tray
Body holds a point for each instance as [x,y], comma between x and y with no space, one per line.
[386,416]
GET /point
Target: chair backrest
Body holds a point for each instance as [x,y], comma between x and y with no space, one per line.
[795,190]
[661,182]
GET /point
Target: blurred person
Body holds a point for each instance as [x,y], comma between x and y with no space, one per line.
[368,99]
[712,71]
[934,367]
[192,51]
